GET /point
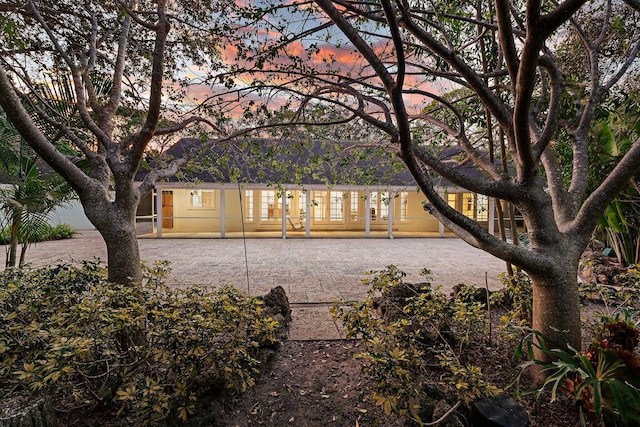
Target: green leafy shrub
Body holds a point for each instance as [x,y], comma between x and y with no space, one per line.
[624,291]
[515,301]
[61,231]
[47,232]
[604,378]
[628,289]
[145,353]
[517,295]
[409,329]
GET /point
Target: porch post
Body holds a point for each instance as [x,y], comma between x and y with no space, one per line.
[492,215]
[390,215]
[159,212]
[307,214]
[222,214]
[440,224]
[153,210]
[283,208]
[367,214]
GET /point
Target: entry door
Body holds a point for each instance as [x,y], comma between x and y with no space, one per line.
[167,209]
[328,207]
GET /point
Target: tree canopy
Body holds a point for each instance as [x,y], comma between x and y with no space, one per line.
[516,85]
[127,77]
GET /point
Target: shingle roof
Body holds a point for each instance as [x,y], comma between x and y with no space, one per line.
[300,162]
[310,162]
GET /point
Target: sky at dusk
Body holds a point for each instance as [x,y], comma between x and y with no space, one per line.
[324,50]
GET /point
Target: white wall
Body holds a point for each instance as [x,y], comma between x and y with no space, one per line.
[72,214]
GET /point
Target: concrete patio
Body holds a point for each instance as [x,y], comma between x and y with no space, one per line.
[313,272]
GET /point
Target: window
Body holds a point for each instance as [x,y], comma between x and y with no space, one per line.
[268,208]
[335,206]
[403,205]
[482,207]
[248,205]
[354,202]
[379,205]
[468,204]
[384,205]
[475,206]
[318,205]
[373,201]
[451,200]
[201,199]
[302,203]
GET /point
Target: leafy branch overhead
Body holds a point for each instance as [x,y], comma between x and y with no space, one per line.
[518,87]
[116,81]
[28,195]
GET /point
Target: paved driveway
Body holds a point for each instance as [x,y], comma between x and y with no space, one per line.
[310,270]
[313,272]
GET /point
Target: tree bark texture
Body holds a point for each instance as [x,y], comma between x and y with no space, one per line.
[116,223]
[556,309]
[123,254]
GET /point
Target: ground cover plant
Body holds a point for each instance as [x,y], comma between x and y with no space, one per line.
[406,330]
[423,351]
[417,354]
[113,353]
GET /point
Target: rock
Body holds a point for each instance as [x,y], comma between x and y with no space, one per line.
[594,267]
[278,302]
[24,410]
[499,411]
[276,305]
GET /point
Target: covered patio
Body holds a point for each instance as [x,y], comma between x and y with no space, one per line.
[211,210]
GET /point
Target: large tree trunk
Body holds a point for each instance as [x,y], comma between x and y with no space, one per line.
[116,223]
[123,254]
[556,308]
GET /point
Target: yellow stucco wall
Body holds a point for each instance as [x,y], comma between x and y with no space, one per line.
[417,219]
[188,218]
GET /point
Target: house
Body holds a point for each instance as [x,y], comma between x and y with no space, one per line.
[308,191]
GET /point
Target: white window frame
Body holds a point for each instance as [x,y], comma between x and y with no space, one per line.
[197,199]
[248,206]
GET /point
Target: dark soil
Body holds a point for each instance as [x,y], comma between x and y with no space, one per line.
[318,383]
[310,383]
